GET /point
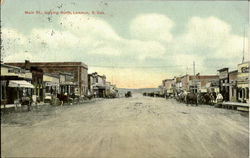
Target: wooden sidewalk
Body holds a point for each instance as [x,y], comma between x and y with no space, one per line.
[235,106]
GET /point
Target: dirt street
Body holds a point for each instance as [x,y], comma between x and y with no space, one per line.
[136,127]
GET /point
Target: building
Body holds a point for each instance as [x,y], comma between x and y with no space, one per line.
[90,84]
[202,82]
[160,90]
[243,82]
[78,69]
[97,85]
[178,85]
[223,83]
[37,81]
[67,84]
[167,86]
[51,84]
[233,94]
[15,84]
[198,83]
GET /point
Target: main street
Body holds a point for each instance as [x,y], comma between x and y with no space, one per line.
[135,127]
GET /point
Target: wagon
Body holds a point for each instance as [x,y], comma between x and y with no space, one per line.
[128,94]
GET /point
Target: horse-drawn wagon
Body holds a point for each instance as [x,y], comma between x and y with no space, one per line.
[128,94]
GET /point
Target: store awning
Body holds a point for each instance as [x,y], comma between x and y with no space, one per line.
[20,83]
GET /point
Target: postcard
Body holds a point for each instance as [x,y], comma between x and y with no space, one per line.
[106,78]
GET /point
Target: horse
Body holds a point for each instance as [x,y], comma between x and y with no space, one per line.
[208,98]
[181,97]
[191,98]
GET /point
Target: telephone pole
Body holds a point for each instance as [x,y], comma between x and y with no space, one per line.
[243,45]
[194,79]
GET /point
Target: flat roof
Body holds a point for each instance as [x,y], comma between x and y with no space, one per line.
[234,71]
[48,64]
[10,66]
[223,69]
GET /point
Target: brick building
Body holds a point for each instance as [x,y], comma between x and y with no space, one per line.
[78,69]
[187,82]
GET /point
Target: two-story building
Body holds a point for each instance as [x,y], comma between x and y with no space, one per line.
[243,82]
[78,69]
[233,93]
[223,83]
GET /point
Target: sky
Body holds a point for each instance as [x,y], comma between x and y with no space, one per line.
[136,44]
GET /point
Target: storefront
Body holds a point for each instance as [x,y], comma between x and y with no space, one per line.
[243,82]
[16,89]
[223,83]
[15,84]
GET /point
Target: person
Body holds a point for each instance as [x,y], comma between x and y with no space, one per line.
[219,98]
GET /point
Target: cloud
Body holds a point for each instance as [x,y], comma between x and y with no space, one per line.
[152,27]
[205,39]
[88,27]
[53,38]
[208,41]
[19,57]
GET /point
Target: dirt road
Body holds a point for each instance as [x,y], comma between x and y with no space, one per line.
[137,127]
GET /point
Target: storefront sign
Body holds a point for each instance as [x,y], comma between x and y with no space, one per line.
[245,69]
[228,84]
[223,74]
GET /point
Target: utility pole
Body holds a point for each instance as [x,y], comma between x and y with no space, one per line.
[243,45]
[194,67]
[194,79]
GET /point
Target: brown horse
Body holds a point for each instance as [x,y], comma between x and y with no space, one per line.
[191,98]
[208,98]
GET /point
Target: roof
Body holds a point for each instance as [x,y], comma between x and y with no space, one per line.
[223,69]
[20,83]
[205,77]
[234,71]
[52,75]
[10,66]
[51,64]
[167,80]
